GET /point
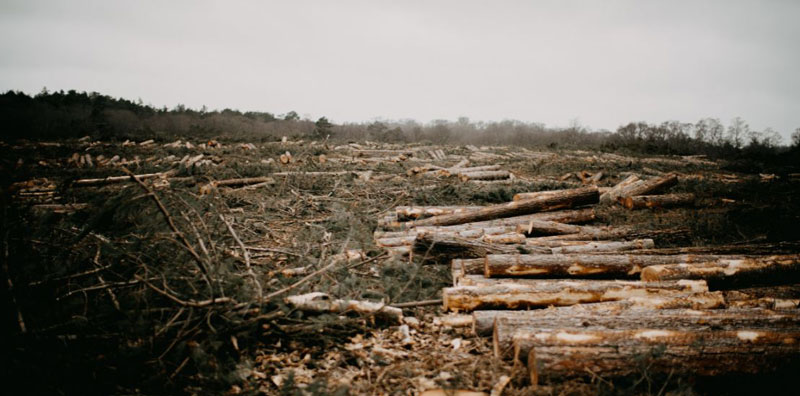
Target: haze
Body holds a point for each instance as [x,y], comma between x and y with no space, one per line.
[602,63]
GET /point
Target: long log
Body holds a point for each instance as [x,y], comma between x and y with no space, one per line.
[611,195]
[405,213]
[536,194]
[559,293]
[437,244]
[622,314]
[484,175]
[541,227]
[780,269]
[607,233]
[321,302]
[120,179]
[563,353]
[561,216]
[595,247]
[655,184]
[584,265]
[502,325]
[657,201]
[568,199]
[750,249]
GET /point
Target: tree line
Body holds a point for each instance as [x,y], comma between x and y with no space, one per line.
[59,114]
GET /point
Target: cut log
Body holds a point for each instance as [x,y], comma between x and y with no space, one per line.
[484,175]
[633,312]
[537,194]
[584,265]
[321,302]
[540,227]
[120,179]
[607,234]
[750,249]
[558,293]
[561,353]
[461,267]
[655,184]
[594,247]
[781,269]
[405,213]
[482,281]
[437,244]
[657,201]
[567,199]
[561,216]
[611,195]
[243,181]
[502,325]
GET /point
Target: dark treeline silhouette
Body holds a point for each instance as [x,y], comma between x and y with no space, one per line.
[57,115]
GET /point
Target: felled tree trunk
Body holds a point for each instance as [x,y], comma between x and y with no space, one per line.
[537,194]
[595,247]
[561,216]
[657,201]
[561,353]
[502,325]
[768,269]
[405,213]
[583,265]
[558,293]
[623,315]
[484,175]
[649,186]
[321,302]
[120,179]
[567,199]
[462,267]
[611,195]
[436,244]
[541,227]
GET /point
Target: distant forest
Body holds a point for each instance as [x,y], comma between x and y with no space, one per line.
[59,115]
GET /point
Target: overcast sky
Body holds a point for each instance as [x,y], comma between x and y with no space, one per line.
[602,62]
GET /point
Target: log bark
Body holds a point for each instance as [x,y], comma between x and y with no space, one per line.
[537,194]
[484,175]
[607,233]
[657,201]
[462,267]
[750,249]
[561,216]
[585,265]
[568,199]
[621,314]
[502,325]
[558,293]
[321,302]
[436,244]
[405,213]
[739,271]
[120,179]
[595,247]
[561,353]
[542,228]
[611,195]
[655,184]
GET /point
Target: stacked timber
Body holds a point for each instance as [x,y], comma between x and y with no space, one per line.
[573,299]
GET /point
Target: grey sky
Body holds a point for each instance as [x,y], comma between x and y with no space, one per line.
[602,62]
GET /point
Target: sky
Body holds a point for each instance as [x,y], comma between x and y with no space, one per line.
[600,63]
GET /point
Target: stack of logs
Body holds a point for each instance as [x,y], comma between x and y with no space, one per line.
[464,172]
[574,300]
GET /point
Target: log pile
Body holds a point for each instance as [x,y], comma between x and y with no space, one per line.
[574,300]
